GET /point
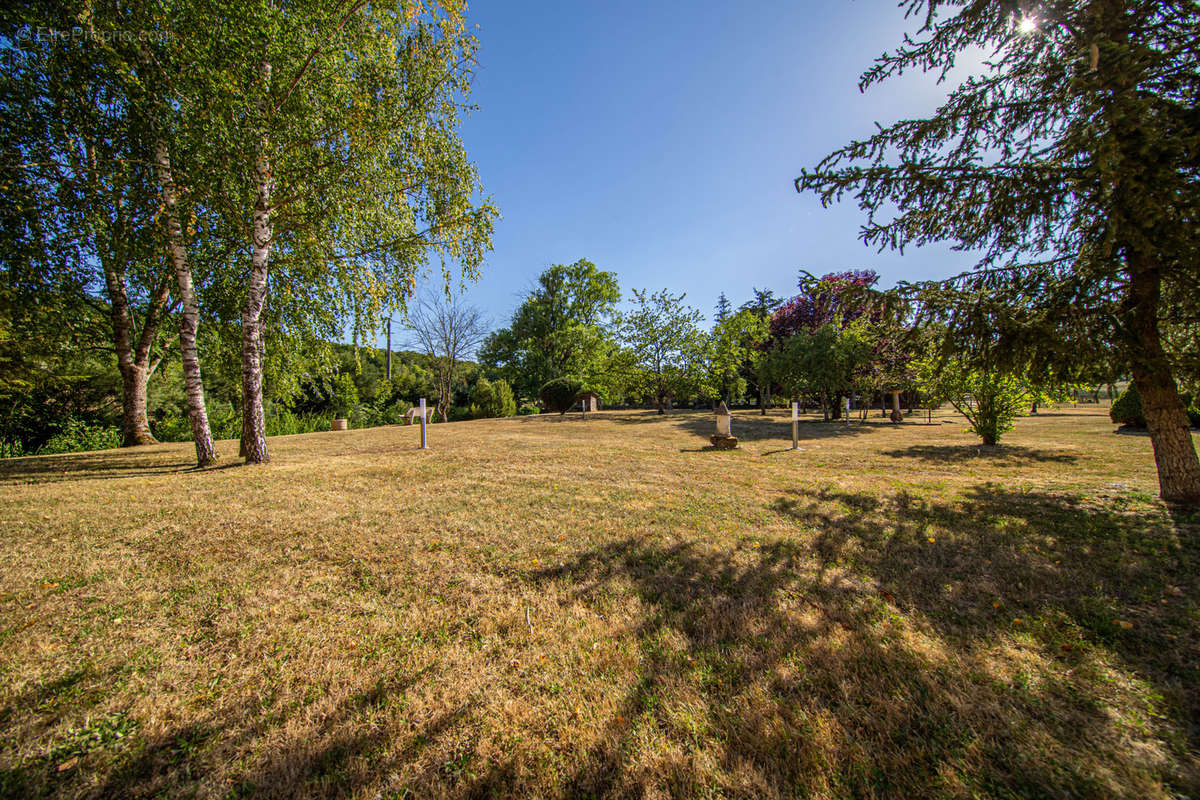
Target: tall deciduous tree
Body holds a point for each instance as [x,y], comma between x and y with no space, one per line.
[1071,161]
[331,132]
[560,329]
[448,332]
[84,195]
[763,306]
[736,346]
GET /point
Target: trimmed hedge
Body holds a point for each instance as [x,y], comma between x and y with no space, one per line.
[1127,409]
[560,394]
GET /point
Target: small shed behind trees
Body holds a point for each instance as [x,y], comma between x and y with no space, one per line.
[590,401]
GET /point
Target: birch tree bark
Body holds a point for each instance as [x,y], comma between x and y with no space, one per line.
[189,319]
[254,437]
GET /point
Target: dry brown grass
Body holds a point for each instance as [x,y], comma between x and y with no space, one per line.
[889,612]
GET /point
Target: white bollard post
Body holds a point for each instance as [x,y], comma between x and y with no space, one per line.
[845,410]
[795,426]
[424,440]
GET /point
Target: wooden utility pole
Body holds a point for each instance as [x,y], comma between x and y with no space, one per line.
[389,347]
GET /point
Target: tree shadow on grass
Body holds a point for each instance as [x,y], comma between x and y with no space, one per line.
[859,658]
[344,757]
[102,465]
[1005,454]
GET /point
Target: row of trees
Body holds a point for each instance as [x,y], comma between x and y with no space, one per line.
[839,337]
[267,179]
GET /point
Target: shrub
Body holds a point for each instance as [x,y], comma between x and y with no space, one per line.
[560,394]
[343,395]
[287,423]
[1127,409]
[990,399]
[76,435]
[492,399]
[173,428]
[528,409]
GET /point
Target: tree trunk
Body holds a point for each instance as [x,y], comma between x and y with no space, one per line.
[133,361]
[189,320]
[1170,435]
[135,425]
[254,436]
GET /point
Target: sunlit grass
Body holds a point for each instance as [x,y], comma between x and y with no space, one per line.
[551,607]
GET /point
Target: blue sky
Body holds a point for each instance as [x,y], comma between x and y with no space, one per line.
[662,145]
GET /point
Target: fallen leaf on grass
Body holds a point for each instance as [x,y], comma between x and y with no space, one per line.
[1122,624]
[70,762]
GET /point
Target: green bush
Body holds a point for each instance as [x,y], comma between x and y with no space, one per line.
[492,399]
[76,435]
[528,409]
[560,394]
[287,423]
[343,394]
[1127,409]
[11,449]
[173,428]
[1193,414]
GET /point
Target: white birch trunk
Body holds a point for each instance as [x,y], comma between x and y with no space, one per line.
[189,320]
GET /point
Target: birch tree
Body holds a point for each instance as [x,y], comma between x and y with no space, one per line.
[85,199]
[332,136]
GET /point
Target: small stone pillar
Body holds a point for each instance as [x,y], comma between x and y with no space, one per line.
[339,424]
[724,439]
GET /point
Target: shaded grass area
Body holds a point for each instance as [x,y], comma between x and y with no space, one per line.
[552,607]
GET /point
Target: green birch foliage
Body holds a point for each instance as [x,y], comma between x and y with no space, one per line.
[359,120]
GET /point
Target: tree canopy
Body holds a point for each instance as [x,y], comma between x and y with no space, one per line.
[1070,162]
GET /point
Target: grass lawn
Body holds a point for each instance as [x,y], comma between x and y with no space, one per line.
[544,606]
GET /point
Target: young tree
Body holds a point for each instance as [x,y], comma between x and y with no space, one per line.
[989,398]
[671,351]
[1070,162]
[448,332]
